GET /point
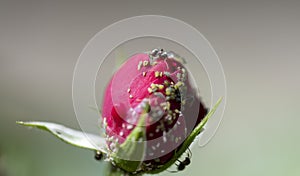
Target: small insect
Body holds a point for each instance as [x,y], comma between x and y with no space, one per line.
[98,155]
[154,52]
[164,54]
[175,56]
[182,164]
[160,52]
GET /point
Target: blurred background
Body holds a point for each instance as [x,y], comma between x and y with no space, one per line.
[258,46]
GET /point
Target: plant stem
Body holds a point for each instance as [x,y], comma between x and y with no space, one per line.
[111,170]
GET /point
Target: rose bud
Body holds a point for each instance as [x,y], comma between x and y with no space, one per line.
[150,102]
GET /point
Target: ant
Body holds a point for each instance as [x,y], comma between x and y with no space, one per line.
[98,155]
[182,164]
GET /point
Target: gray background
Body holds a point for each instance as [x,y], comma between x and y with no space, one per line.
[258,45]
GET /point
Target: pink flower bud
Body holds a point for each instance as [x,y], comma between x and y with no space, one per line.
[158,85]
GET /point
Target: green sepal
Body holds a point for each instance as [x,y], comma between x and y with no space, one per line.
[130,154]
[188,141]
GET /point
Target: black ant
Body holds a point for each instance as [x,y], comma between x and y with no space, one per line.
[98,155]
[182,164]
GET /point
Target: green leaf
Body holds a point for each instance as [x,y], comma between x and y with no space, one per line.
[78,139]
[188,141]
[70,136]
